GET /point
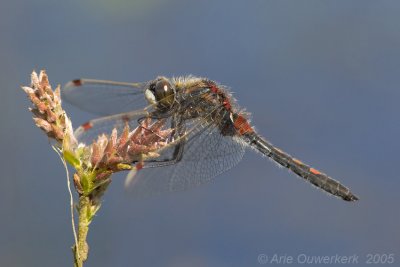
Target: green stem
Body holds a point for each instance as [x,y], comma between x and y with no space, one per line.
[84,211]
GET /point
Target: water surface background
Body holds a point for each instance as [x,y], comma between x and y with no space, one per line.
[322,79]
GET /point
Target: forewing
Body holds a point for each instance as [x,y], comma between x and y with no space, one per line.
[104,97]
[90,130]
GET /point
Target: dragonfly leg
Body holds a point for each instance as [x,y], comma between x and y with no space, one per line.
[176,157]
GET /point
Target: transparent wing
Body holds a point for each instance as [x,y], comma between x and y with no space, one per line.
[90,130]
[206,154]
[104,97]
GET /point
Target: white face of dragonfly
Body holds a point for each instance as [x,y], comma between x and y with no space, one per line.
[160,93]
[150,97]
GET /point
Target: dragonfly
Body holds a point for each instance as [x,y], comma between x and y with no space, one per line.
[209,131]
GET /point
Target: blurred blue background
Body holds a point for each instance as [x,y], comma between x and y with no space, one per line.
[321,78]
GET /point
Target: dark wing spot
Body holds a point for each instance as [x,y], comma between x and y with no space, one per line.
[87,126]
[77,82]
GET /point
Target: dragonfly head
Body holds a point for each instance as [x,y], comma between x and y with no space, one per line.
[160,93]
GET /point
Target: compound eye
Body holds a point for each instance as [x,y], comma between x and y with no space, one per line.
[163,93]
[162,90]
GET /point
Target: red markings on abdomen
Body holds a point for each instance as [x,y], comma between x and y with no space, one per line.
[241,124]
[298,162]
[314,171]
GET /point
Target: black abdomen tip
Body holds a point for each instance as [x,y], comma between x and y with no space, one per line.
[350,197]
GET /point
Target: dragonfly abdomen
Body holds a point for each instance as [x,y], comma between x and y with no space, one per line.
[306,172]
